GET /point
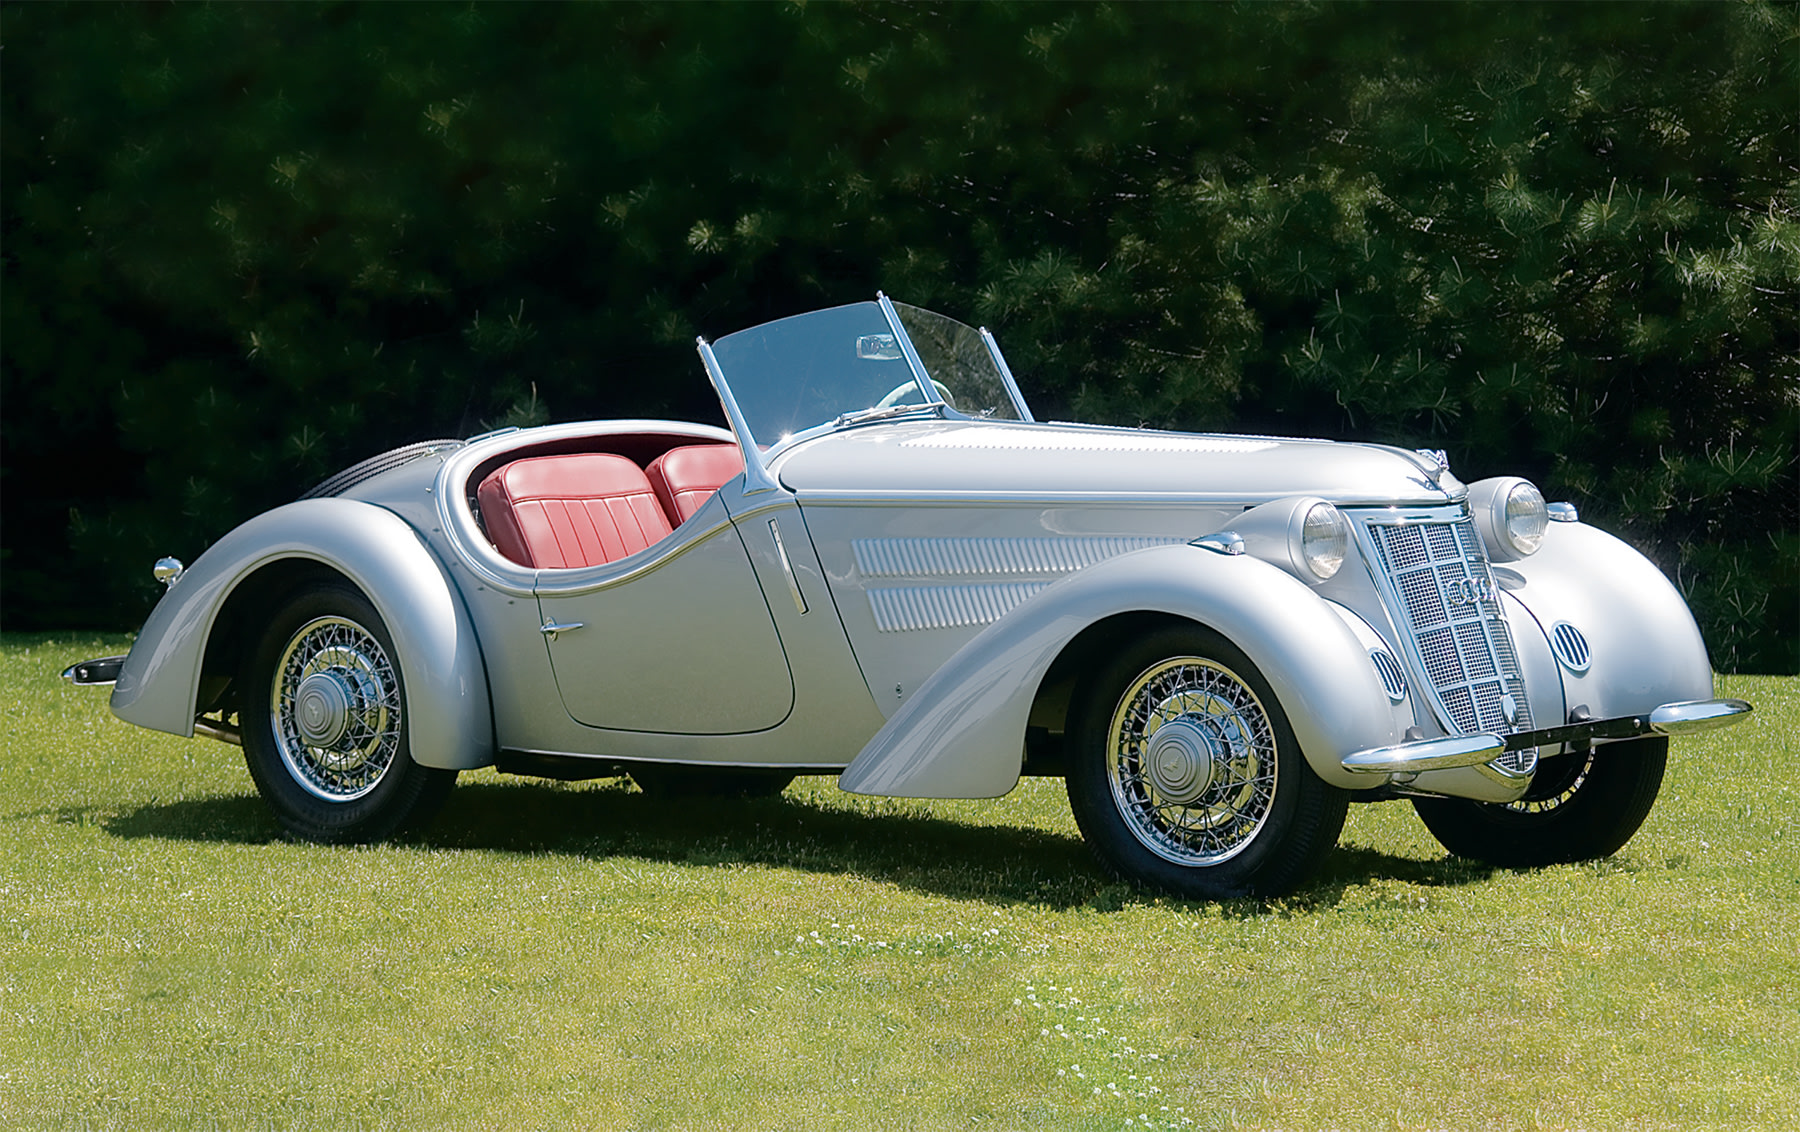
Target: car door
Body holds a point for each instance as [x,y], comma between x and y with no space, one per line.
[676,639]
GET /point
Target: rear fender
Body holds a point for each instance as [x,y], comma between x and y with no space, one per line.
[961,734]
[449,714]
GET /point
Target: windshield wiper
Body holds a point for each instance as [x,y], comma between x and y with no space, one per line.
[882,412]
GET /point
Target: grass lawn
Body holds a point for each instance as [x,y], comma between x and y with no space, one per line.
[552,956]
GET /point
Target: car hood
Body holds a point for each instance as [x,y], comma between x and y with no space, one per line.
[961,457]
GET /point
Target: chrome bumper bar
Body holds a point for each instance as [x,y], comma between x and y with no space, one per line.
[1476,750]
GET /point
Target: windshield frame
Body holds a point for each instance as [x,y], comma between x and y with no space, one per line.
[759,452]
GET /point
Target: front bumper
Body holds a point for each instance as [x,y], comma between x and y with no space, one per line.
[1454,751]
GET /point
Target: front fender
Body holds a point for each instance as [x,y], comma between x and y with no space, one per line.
[961,735]
[1644,648]
[449,714]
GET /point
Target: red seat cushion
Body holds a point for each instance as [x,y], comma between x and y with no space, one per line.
[685,478]
[581,509]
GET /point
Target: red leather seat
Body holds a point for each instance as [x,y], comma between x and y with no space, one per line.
[582,509]
[685,478]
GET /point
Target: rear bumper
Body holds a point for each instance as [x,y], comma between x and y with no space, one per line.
[1450,752]
[103,670]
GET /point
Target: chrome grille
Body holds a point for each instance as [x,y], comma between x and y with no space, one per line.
[1437,576]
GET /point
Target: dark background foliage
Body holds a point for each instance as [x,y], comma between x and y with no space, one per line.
[245,245]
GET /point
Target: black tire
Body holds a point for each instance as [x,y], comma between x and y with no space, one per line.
[331,753]
[1580,807]
[1185,775]
[666,782]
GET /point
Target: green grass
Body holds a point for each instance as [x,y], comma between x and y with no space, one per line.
[582,956]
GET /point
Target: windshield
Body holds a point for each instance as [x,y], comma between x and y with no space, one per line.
[960,362]
[846,363]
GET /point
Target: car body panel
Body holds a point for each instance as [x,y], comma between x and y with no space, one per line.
[932,461]
[1646,649]
[441,659]
[961,736]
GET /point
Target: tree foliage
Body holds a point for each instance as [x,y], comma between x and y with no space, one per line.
[245,245]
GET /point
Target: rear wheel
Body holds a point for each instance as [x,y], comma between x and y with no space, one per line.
[323,714]
[1185,775]
[1580,807]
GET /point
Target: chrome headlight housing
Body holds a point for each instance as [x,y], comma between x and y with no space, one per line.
[1302,534]
[1324,540]
[1511,514]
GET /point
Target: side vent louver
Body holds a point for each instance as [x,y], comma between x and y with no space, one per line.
[1570,647]
[1393,677]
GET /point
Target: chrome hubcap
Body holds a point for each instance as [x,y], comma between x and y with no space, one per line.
[322,708]
[1192,762]
[335,709]
[1181,759]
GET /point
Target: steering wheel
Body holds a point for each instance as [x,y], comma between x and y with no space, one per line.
[899,393]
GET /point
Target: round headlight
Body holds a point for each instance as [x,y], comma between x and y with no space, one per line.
[1526,517]
[1324,540]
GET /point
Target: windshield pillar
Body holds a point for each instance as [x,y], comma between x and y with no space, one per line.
[757,478]
[906,347]
[1006,375]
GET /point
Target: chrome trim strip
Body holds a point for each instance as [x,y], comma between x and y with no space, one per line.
[1221,542]
[1432,754]
[787,567]
[1006,375]
[1020,438]
[756,473]
[1690,716]
[1563,513]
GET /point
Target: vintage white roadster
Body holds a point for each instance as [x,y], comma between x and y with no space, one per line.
[887,570]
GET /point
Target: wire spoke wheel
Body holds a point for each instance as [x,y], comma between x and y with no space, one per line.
[335,706]
[1184,774]
[1557,781]
[1191,761]
[322,701]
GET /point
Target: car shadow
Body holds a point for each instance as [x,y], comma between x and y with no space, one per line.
[1005,864]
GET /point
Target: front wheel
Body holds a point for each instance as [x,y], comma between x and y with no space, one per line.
[323,714]
[1185,775]
[1579,807]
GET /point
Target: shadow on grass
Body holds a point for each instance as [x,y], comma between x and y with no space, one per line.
[1002,864]
[875,839]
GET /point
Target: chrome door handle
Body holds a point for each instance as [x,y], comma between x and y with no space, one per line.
[550,628]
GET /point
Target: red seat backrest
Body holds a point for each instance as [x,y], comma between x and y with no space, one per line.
[582,509]
[685,478]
